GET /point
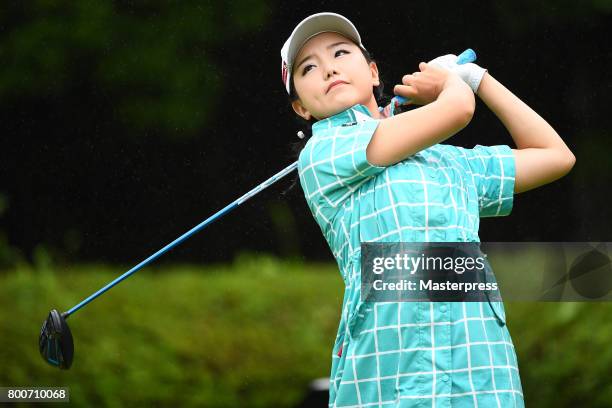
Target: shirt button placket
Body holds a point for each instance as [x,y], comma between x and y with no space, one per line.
[444,383]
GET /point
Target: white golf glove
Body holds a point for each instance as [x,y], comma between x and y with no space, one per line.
[470,73]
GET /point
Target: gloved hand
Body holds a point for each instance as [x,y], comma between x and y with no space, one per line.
[470,73]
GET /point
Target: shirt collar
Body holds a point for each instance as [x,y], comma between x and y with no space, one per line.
[351,116]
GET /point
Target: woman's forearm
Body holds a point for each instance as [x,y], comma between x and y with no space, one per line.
[403,135]
[541,155]
[527,128]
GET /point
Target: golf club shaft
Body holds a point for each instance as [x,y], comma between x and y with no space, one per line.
[466,56]
[186,235]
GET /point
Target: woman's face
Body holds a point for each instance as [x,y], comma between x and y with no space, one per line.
[327,58]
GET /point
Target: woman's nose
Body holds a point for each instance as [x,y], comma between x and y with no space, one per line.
[330,73]
[329,69]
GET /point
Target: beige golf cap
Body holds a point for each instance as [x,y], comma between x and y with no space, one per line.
[308,28]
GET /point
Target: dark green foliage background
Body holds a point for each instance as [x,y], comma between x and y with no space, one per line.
[252,334]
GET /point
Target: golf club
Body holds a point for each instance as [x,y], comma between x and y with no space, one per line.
[55,341]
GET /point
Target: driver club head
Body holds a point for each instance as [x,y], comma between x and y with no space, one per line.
[55,342]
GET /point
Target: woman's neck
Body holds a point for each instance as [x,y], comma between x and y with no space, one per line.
[373,108]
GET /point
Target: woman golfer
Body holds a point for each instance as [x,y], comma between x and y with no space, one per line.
[370,175]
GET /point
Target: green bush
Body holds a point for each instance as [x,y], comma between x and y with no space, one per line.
[563,351]
[251,334]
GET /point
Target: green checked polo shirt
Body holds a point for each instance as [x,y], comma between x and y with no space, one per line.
[410,354]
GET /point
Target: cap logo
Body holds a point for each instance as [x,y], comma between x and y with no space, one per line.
[284,75]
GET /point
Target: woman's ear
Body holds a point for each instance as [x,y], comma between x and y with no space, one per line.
[374,71]
[300,109]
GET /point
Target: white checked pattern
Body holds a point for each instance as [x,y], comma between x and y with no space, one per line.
[408,354]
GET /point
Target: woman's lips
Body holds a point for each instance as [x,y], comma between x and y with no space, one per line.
[333,84]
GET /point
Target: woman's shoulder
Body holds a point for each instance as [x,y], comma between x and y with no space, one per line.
[338,140]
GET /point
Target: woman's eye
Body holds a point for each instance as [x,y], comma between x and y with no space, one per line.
[306,69]
[336,54]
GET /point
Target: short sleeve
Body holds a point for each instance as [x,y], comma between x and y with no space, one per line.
[493,170]
[333,164]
